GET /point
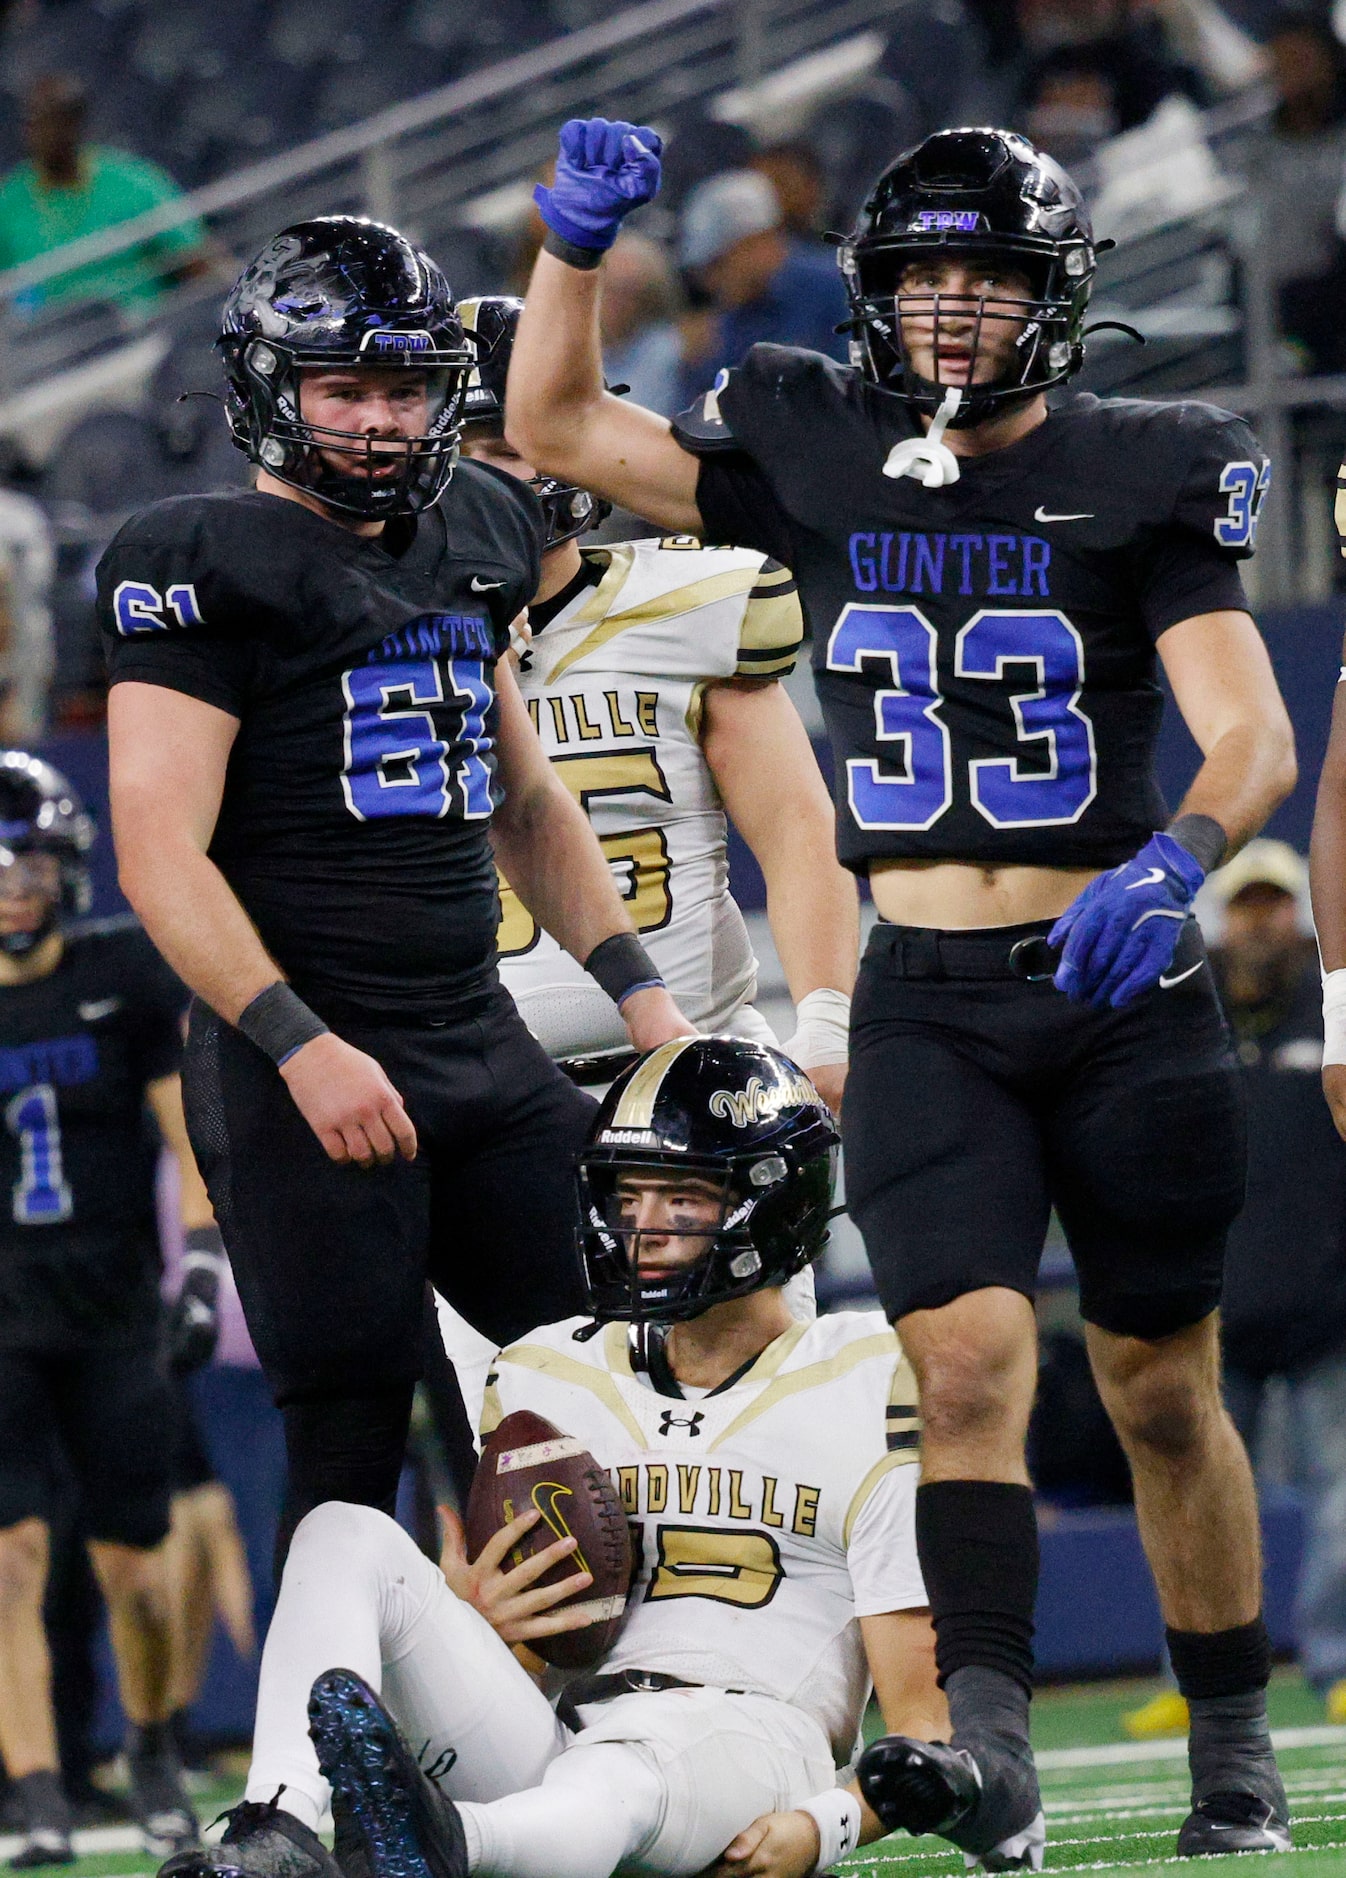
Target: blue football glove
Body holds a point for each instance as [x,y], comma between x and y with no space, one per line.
[1120,934]
[603,171]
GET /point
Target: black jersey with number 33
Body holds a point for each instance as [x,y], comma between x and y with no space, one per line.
[362,779]
[985,651]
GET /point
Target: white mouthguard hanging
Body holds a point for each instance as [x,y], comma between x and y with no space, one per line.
[931,461]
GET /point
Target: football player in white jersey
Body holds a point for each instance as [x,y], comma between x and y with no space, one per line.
[652,681]
[769,1469]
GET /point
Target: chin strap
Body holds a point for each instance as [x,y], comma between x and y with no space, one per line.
[927,458]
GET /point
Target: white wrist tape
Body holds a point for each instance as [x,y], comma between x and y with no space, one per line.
[822,1030]
[1334,1016]
[837,1816]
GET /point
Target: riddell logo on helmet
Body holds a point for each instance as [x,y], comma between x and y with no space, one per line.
[384,341]
[935,221]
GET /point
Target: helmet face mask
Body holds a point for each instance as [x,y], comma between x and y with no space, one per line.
[340,294]
[965,200]
[491,322]
[44,837]
[734,1149]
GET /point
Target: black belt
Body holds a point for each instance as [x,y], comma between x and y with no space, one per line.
[1020,953]
[589,1689]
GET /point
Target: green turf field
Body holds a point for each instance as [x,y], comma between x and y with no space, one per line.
[1113,1806]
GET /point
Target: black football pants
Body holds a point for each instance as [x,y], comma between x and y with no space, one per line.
[976,1102]
[331,1261]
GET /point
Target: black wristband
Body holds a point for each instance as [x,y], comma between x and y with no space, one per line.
[586,259]
[279,1022]
[1203,838]
[621,965]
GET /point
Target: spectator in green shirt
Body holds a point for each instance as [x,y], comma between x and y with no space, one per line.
[68,188]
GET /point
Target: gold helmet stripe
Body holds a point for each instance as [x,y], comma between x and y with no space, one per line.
[636,1108]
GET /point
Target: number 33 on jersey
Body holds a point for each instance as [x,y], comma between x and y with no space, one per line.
[984,651]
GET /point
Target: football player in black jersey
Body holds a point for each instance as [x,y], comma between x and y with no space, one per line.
[992,584]
[316,762]
[90,1039]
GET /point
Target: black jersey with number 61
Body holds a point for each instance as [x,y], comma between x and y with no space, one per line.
[361,671]
[984,651]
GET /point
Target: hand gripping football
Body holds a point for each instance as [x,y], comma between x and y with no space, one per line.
[526,1463]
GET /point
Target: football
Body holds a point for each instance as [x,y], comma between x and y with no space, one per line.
[530,1462]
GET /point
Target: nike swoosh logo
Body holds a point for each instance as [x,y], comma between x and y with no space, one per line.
[484,586]
[1166,983]
[1152,879]
[101,1007]
[1041,515]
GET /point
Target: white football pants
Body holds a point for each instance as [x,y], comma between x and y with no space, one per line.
[659,1783]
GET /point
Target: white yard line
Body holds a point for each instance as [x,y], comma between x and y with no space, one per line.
[88,1841]
[1128,1753]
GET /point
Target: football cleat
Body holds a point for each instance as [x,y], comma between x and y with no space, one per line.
[159,1803]
[44,1845]
[1232,1822]
[1022,1851]
[923,1786]
[260,1841]
[383,1806]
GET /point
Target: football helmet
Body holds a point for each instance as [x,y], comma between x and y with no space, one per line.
[343,291]
[737,1116]
[978,193]
[41,814]
[491,323]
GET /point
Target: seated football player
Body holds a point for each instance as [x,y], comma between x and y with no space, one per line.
[652,679]
[768,1469]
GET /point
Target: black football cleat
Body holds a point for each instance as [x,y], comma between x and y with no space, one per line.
[1232,1822]
[927,1786]
[923,1786]
[383,1806]
[158,1799]
[44,1845]
[260,1841]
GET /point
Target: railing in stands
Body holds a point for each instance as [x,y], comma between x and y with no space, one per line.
[423,161]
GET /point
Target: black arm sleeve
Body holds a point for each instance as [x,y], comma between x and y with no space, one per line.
[1180,575]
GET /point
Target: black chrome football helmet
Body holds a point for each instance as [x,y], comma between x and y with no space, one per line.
[343,291]
[41,814]
[983,194]
[744,1123]
[491,323]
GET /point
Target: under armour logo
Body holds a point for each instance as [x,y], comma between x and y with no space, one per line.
[690,1422]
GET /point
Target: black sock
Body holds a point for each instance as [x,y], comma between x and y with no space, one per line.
[978,1546]
[1224,1675]
[42,1803]
[149,1741]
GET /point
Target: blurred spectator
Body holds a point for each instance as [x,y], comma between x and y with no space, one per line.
[796,173]
[1284,1308]
[755,283]
[1070,105]
[68,188]
[1295,167]
[27,650]
[641,345]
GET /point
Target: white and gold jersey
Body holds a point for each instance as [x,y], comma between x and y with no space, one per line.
[614,686]
[769,1516]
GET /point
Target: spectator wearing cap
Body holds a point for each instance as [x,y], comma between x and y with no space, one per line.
[68,188]
[755,283]
[1284,1310]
